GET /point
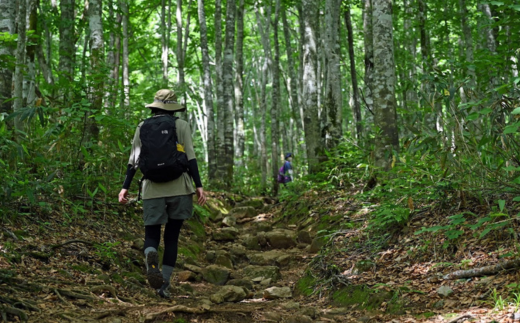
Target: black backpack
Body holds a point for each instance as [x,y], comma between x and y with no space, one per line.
[160,161]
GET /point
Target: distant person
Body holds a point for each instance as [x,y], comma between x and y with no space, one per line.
[162,149]
[285,173]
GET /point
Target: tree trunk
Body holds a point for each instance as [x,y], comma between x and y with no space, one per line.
[125,104]
[387,140]
[309,90]
[226,168]
[179,51]
[208,93]
[292,83]
[219,144]
[356,110]
[20,63]
[239,87]
[30,75]
[467,46]
[275,114]
[113,58]
[96,75]
[410,44]
[165,37]
[7,17]
[369,63]
[67,48]
[333,98]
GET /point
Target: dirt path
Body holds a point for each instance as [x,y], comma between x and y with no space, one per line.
[245,271]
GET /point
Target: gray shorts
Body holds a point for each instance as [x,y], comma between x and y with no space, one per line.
[159,210]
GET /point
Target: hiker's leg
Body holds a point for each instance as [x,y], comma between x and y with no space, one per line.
[152,237]
[171,246]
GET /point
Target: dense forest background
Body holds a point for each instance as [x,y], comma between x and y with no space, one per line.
[426,91]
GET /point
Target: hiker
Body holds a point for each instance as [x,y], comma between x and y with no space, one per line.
[285,173]
[166,201]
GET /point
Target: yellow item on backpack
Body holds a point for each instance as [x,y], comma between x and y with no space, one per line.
[180,148]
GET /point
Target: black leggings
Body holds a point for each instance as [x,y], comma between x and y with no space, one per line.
[152,238]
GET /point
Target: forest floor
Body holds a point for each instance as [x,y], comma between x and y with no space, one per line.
[256,260]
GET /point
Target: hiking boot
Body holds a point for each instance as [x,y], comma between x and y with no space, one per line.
[164,291]
[155,278]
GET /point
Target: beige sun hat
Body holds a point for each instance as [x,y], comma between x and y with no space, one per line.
[166,100]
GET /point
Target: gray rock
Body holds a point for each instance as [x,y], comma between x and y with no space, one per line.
[298,319]
[244,212]
[187,276]
[266,282]
[272,258]
[291,306]
[281,239]
[271,317]
[223,259]
[195,269]
[338,311]
[312,312]
[272,272]
[215,274]
[444,291]
[304,237]
[229,293]
[226,234]
[230,221]
[246,283]
[251,242]
[277,292]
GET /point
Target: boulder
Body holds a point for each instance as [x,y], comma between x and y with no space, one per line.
[226,234]
[304,237]
[272,272]
[277,292]
[223,258]
[230,221]
[272,258]
[251,242]
[246,283]
[281,239]
[215,274]
[298,319]
[229,293]
[317,244]
[244,212]
[187,276]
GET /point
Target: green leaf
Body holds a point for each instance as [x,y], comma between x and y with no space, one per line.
[516,199]
[501,205]
[517,110]
[511,128]
[485,111]
[85,152]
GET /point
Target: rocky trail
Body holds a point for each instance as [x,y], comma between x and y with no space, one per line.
[243,269]
[249,262]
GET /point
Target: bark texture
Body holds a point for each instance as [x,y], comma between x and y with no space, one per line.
[384,84]
[309,88]
[208,93]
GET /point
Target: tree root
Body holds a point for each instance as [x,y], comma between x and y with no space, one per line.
[109,288]
[484,271]
[74,294]
[56,246]
[111,313]
[176,308]
[463,317]
[6,309]
[14,302]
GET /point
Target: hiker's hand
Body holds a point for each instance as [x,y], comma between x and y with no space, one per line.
[123,196]
[201,196]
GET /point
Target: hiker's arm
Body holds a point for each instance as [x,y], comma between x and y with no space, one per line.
[193,170]
[130,172]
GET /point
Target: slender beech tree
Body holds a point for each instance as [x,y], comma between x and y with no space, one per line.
[369,62]
[96,72]
[333,97]
[292,84]
[226,168]
[275,106]
[356,107]
[208,92]
[29,83]
[125,100]
[7,25]
[467,47]
[263,26]
[67,48]
[309,88]
[387,140]
[166,23]
[239,86]
[20,62]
